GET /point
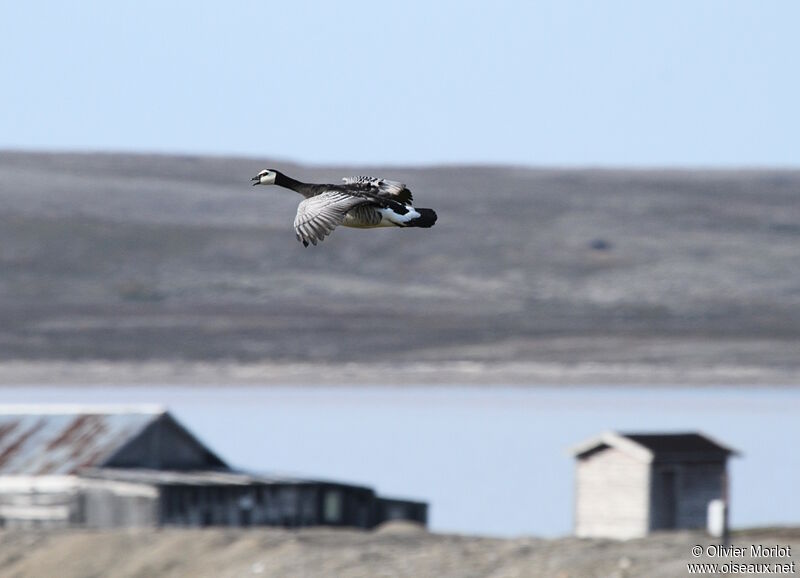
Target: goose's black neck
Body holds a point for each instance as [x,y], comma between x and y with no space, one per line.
[282,180]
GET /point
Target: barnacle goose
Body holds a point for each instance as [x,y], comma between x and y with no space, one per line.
[361,202]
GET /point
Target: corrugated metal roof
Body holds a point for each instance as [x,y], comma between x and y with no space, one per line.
[49,440]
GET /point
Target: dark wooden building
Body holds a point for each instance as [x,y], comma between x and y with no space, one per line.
[628,485]
[139,467]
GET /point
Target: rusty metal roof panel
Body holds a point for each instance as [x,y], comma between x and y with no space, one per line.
[57,440]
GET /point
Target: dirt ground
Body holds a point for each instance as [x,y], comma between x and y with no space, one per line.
[397,550]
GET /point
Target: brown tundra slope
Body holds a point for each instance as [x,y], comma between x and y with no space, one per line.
[529,274]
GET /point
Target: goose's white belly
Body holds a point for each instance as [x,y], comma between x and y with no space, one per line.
[393,219]
[372,217]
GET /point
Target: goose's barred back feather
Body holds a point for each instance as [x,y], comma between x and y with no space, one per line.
[382,186]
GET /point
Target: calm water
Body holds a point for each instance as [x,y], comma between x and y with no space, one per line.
[489,461]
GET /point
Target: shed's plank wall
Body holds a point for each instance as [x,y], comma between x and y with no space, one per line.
[612,495]
[698,484]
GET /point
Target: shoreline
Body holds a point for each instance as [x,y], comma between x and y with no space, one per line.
[462,373]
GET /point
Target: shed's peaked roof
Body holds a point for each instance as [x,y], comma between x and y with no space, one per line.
[678,443]
[657,446]
[59,440]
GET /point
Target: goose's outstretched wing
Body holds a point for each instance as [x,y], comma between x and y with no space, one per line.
[318,216]
[380,187]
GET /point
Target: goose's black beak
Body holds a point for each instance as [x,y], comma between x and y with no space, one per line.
[256,180]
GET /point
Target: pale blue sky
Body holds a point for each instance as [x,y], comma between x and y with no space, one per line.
[539,83]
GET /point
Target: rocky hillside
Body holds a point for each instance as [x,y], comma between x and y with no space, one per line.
[395,551]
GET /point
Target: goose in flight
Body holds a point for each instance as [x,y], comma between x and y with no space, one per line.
[361,202]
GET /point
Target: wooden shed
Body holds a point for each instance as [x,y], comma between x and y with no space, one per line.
[630,484]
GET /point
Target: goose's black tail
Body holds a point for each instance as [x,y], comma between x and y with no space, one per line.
[427,217]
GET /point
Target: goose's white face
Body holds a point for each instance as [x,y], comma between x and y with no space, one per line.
[265,177]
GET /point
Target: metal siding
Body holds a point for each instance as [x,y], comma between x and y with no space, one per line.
[69,501]
[20,509]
